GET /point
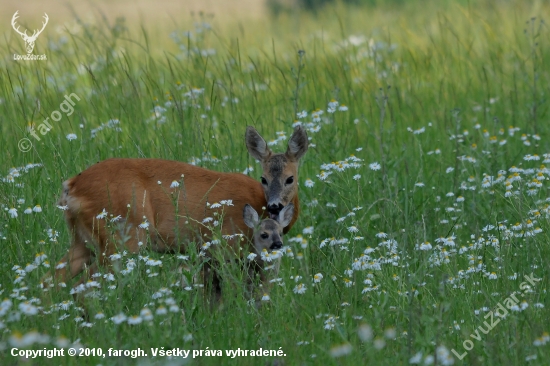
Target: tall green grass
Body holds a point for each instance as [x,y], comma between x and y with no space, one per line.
[442,99]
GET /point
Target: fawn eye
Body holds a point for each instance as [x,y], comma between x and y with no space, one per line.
[264,181]
[264,236]
[289,180]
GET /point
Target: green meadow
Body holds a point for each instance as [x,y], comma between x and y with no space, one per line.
[423,236]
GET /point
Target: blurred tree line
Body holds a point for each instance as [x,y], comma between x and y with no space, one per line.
[277,7]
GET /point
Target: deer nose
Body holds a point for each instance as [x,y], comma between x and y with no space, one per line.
[275,208]
[276,245]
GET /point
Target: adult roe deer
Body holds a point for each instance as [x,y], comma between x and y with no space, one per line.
[166,202]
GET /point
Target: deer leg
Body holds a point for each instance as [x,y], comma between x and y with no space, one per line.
[72,263]
[104,263]
[265,277]
[212,285]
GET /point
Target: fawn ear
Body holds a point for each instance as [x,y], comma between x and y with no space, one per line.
[250,216]
[297,145]
[256,145]
[286,214]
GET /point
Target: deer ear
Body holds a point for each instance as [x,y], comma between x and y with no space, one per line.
[256,145]
[286,214]
[250,216]
[298,143]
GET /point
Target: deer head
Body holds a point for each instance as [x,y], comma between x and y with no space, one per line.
[268,233]
[29,40]
[280,171]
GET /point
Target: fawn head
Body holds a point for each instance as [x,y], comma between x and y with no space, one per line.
[268,233]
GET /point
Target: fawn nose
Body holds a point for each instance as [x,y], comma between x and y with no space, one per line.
[276,245]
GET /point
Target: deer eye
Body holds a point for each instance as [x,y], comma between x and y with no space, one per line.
[289,180]
[264,181]
[264,236]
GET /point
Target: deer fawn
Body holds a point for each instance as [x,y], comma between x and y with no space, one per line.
[163,203]
[268,239]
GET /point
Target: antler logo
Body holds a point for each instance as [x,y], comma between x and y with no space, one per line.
[29,40]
